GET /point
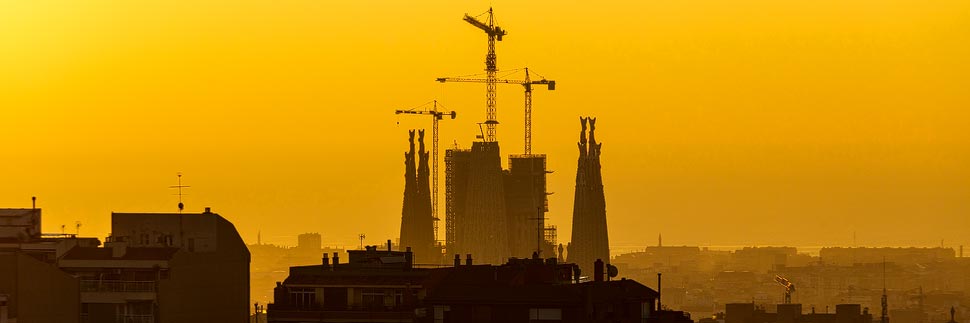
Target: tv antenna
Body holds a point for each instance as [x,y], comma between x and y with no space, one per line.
[179,187]
[361,237]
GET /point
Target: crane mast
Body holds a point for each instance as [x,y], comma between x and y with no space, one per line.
[435,117]
[528,113]
[494,33]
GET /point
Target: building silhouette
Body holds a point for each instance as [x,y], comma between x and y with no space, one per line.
[164,267]
[475,204]
[383,285]
[590,239]
[526,204]
[156,267]
[493,213]
[791,313]
[417,220]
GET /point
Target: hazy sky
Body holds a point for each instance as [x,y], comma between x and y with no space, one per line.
[724,122]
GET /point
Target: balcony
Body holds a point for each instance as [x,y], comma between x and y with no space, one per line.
[117,291]
[136,319]
[117,286]
[147,318]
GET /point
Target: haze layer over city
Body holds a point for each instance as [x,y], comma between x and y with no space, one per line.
[742,123]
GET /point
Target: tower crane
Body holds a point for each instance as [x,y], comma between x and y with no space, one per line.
[526,83]
[435,117]
[789,287]
[494,33]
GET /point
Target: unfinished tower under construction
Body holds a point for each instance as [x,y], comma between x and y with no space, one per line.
[417,222]
[475,203]
[526,206]
[495,214]
[590,240]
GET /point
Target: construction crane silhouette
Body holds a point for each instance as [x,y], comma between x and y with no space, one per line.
[435,117]
[494,33]
[789,287]
[526,83]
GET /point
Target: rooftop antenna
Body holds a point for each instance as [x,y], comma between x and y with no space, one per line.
[77,228]
[62,228]
[540,226]
[361,237]
[179,187]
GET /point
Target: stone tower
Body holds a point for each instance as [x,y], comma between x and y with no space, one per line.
[417,222]
[590,240]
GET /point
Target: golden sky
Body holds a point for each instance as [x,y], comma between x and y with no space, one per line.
[747,122]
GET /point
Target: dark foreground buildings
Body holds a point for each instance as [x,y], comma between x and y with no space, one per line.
[792,313]
[385,286]
[154,268]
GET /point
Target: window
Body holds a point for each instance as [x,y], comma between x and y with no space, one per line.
[303,297]
[372,297]
[545,314]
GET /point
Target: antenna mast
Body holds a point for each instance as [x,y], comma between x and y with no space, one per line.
[179,187]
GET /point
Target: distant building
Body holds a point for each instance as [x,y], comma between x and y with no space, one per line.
[792,313]
[309,241]
[385,286]
[912,255]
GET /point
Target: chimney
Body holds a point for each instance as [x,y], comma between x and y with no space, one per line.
[326,260]
[3,309]
[118,249]
[388,244]
[468,259]
[336,260]
[408,257]
[658,293]
[33,202]
[598,270]
[457,260]
[208,210]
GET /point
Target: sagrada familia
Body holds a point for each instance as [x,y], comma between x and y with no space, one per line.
[494,214]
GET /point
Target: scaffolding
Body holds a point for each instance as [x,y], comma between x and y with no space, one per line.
[455,159]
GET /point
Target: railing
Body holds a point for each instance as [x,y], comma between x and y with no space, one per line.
[136,319]
[119,286]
